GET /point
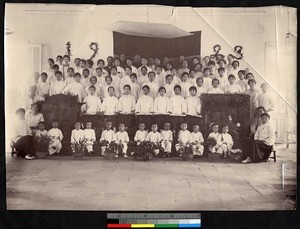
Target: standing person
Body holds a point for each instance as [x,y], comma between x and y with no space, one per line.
[43,87]
[144,64]
[70,76]
[91,103]
[144,107]
[242,81]
[23,143]
[135,88]
[178,108]
[253,92]
[58,85]
[222,77]
[109,106]
[153,86]
[126,107]
[169,86]
[200,89]
[264,139]
[110,64]
[215,89]
[75,88]
[193,106]
[161,107]
[232,87]
[143,76]
[207,80]
[185,85]
[265,99]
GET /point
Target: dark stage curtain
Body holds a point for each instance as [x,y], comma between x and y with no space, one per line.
[157,47]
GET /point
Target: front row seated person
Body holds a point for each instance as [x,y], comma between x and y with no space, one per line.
[23,142]
[262,145]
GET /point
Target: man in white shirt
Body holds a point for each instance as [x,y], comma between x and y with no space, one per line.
[144,107]
[126,107]
[92,103]
[58,85]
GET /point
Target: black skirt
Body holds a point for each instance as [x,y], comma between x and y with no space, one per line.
[260,151]
[25,146]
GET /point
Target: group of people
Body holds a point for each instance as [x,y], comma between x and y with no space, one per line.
[145,87]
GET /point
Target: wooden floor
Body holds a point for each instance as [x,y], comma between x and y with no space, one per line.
[161,184]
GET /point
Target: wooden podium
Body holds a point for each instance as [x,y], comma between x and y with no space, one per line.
[218,107]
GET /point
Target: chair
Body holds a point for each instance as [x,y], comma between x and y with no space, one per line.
[274,154]
[288,139]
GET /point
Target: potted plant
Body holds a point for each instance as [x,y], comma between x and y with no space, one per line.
[111,150]
[186,152]
[78,147]
[42,145]
[145,151]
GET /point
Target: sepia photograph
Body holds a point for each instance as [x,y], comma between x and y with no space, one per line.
[150,107]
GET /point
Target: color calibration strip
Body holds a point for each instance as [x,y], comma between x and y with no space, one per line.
[153,220]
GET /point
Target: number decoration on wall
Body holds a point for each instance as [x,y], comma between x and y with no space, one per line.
[216,49]
[238,50]
[94,47]
[68,47]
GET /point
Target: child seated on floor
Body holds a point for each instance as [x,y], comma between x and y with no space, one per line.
[155,137]
[184,136]
[215,89]
[41,131]
[122,139]
[140,134]
[92,103]
[224,142]
[90,137]
[107,136]
[197,140]
[56,137]
[77,134]
[212,138]
[167,139]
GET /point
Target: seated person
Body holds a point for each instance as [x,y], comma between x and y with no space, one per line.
[23,143]
[122,139]
[264,139]
[184,136]
[107,136]
[197,140]
[140,134]
[33,117]
[167,139]
[90,136]
[56,137]
[224,142]
[155,137]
